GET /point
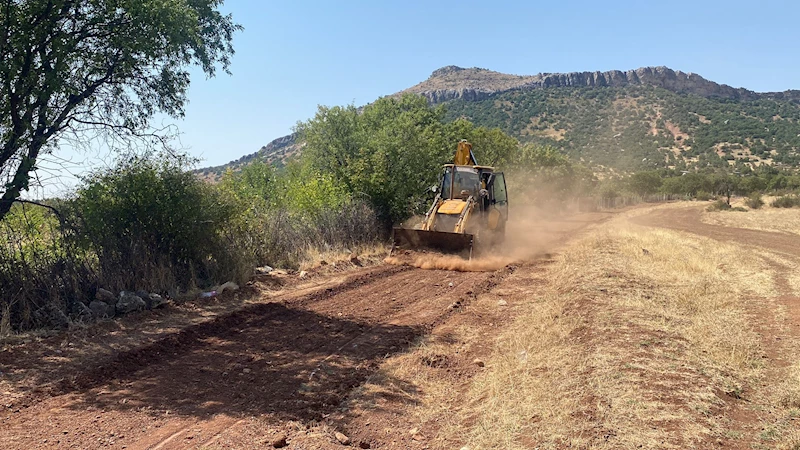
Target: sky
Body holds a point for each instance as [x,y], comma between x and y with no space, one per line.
[295,55]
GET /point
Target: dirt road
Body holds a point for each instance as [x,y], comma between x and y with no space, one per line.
[243,377]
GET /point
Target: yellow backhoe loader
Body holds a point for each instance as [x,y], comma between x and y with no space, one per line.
[470,209]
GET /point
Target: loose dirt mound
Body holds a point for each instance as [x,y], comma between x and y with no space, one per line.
[450,262]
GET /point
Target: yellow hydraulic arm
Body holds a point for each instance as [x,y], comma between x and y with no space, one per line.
[464,156]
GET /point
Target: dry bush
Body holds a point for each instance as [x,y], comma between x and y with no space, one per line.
[39,270]
[786,201]
[754,201]
[719,205]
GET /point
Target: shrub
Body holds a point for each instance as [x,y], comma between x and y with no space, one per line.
[754,201]
[284,214]
[154,226]
[39,270]
[719,205]
[787,201]
[703,196]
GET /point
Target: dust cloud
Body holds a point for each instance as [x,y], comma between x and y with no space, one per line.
[542,215]
[430,261]
[531,232]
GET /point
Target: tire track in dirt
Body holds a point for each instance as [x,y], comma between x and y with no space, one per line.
[255,362]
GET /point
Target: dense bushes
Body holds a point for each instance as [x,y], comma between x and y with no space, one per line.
[40,271]
[787,201]
[283,215]
[149,224]
[152,225]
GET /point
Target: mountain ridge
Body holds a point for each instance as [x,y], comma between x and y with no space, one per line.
[474,84]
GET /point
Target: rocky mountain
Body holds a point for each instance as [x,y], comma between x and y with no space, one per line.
[629,120]
[457,83]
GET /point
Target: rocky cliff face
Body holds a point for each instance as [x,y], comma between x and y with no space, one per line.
[452,82]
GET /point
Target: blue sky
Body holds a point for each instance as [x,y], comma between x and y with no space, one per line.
[295,55]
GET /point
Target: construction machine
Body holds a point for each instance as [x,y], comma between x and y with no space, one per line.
[470,209]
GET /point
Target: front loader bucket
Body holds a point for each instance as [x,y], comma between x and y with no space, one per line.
[405,238]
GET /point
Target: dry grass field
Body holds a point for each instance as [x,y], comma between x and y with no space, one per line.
[633,336]
[648,328]
[767,218]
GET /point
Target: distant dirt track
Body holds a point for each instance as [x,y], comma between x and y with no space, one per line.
[688,219]
[236,380]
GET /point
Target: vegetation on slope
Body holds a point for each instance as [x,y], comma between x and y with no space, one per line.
[643,127]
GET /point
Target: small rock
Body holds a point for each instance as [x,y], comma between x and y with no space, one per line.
[142,294]
[129,302]
[344,440]
[82,312]
[354,259]
[450,284]
[105,296]
[229,286]
[279,441]
[323,263]
[414,431]
[102,309]
[455,305]
[303,274]
[478,362]
[466,447]
[156,301]
[264,270]
[51,316]
[246,370]
[502,303]
[363,444]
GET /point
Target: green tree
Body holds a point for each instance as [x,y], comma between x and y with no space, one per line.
[644,183]
[149,213]
[390,152]
[89,66]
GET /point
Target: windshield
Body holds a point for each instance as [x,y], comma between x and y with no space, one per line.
[466,179]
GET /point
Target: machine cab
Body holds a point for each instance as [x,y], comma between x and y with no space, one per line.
[480,182]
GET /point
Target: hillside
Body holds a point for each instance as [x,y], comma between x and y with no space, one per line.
[644,118]
[276,152]
[618,120]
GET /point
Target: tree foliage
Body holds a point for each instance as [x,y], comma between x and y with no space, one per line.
[83,66]
[145,214]
[391,151]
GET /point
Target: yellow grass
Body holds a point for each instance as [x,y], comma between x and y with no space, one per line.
[623,348]
[634,337]
[316,258]
[767,218]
